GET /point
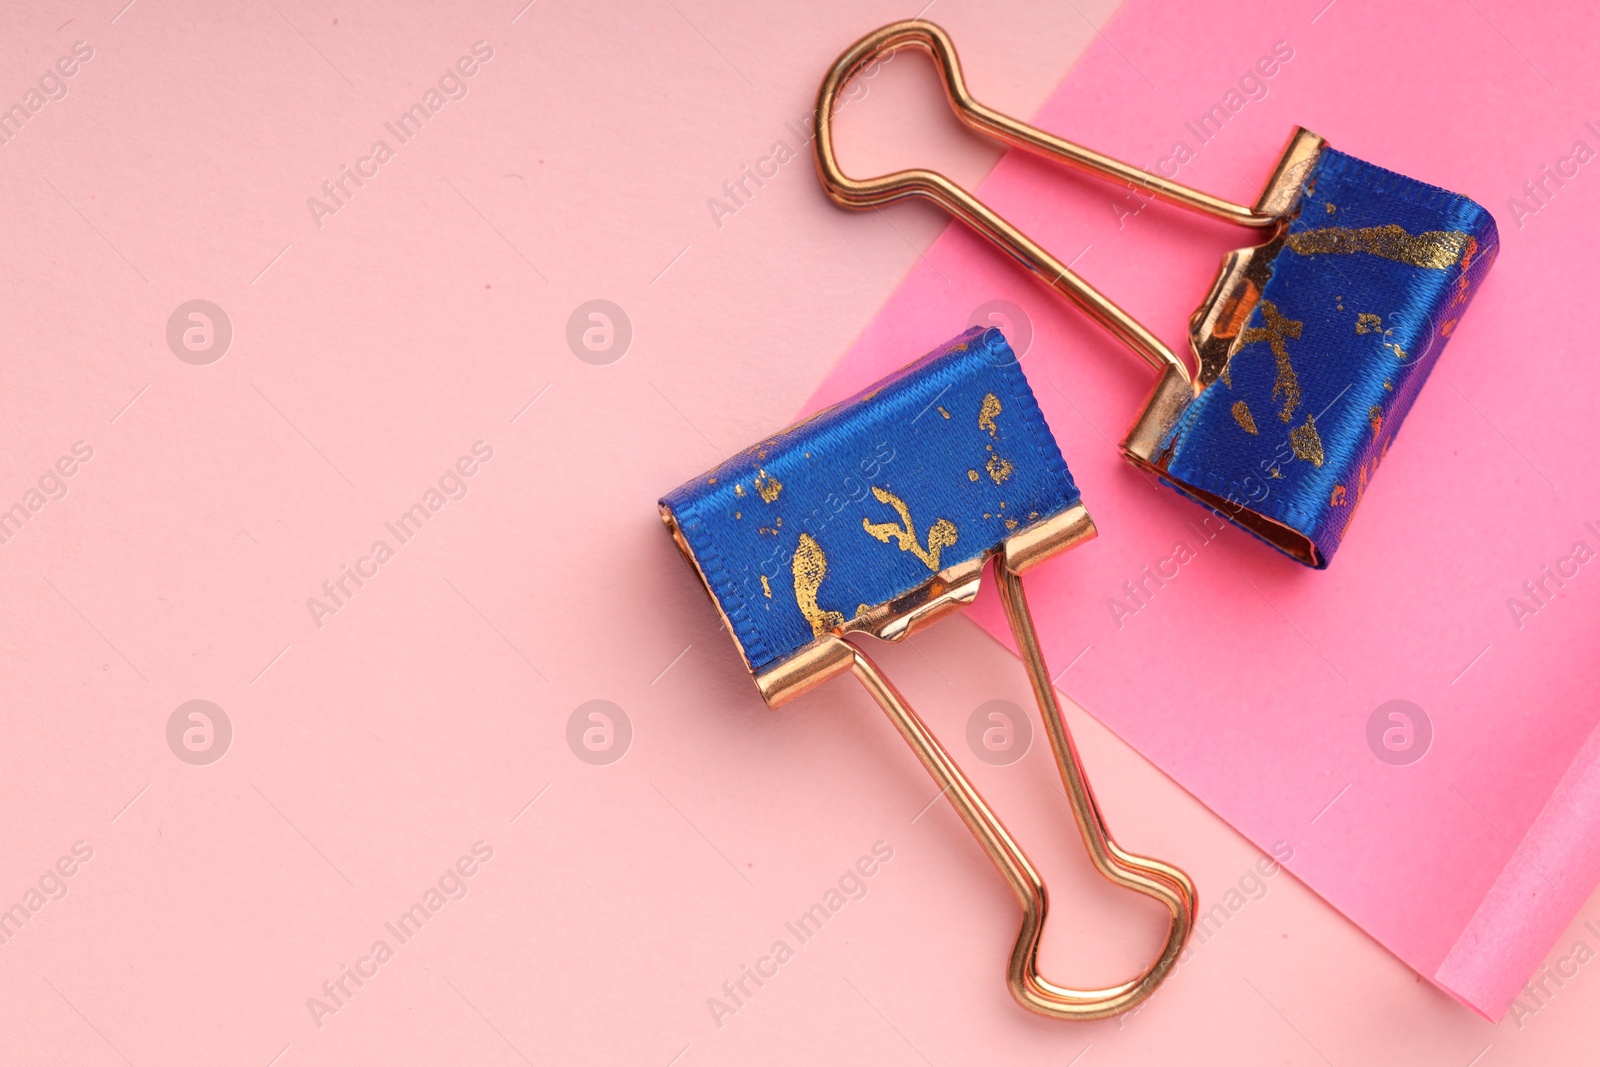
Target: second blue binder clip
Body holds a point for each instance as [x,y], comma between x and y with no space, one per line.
[878,516]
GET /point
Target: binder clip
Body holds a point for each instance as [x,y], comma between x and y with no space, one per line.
[878,516]
[1309,348]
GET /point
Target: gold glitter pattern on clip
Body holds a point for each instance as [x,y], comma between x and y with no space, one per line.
[1375,417]
[1367,322]
[987,411]
[972,476]
[1275,331]
[1241,415]
[810,567]
[941,534]
[1435,249]
[766,587]
[999,469]
[767,486]
[1307,442]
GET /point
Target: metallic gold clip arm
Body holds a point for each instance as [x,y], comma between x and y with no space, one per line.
[931,185]
[1151,877]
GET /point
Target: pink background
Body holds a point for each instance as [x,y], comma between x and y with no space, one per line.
[370,753]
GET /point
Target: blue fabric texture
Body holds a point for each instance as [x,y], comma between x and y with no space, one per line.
[867,500]
[1375,272]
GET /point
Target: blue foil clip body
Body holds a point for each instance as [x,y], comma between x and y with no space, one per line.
[1365,288]
[869,500]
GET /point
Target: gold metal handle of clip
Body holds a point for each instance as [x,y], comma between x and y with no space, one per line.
[861,194]
[1151,877]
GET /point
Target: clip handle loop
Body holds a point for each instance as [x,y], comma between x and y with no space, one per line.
[860,194]
[1151,877]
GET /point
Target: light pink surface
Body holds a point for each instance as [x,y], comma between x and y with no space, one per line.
[1249,678]
[370,754]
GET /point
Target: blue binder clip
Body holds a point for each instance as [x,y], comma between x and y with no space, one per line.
[1309,348]
[874,518]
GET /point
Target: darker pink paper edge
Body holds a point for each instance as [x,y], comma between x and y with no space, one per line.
[1535,897]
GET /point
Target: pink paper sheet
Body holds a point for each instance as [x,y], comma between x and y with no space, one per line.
[1248,678]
